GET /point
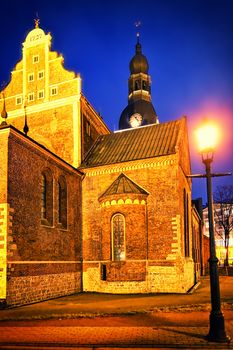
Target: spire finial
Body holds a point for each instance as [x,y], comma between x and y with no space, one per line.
[4,112]
[25,128]
[137,25]
[37,21]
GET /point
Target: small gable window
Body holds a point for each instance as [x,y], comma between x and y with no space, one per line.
[31,97]
[41,94]
[53,90]
[19,100]
[41,74]
[31,77]
[62,202]
[118,237]
[47,198]
[35,59]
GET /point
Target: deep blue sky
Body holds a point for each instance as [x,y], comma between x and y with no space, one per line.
[188,43]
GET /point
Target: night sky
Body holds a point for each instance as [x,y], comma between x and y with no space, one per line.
[188,43]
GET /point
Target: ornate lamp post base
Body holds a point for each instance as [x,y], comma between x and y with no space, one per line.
[217,328]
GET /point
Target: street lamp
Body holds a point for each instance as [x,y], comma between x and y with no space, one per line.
[207,137]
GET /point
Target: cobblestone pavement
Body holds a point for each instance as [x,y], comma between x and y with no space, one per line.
[146,323]
[120,337]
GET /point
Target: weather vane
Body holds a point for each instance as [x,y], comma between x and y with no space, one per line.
[37,21]
[137,25]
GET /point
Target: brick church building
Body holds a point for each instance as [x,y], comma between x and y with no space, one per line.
[83,208]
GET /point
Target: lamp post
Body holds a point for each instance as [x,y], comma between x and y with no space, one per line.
[207,136]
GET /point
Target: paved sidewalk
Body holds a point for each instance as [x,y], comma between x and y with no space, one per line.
[81,326]
[95,304]
[166,337]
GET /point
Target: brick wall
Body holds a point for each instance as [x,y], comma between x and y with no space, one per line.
[39,252]
[31,289]
[155,229]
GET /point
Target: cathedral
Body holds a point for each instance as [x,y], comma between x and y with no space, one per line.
[84,209]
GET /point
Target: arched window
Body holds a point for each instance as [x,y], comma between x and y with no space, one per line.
[144,85]
[47,198]
[186,223]
[137,85]
[118,237]
[62,202]
[43,196]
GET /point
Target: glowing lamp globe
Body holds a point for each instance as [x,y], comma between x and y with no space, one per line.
[208,136]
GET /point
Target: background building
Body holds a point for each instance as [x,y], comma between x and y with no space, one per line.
[219,236]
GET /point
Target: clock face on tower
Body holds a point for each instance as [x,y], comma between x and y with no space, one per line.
[135,120]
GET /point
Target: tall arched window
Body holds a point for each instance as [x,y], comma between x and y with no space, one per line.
[118,237]
[186,223]
[62,202]
[47,197]
[43,196]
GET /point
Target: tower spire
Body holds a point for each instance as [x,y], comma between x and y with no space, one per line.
[140,110]
[137,25]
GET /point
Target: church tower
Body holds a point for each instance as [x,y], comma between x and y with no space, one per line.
[140,110]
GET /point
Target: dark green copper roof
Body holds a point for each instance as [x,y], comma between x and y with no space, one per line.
[134,144]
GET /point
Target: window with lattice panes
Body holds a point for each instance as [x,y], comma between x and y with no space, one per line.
[118,237]
[19,100]
[53,90]
[47,197]
[31,97]
[41,74]
[31,77]
[62,202]
[35,59]
[41,94]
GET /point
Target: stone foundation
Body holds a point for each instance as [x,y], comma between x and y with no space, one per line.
[159,279]
[31,289]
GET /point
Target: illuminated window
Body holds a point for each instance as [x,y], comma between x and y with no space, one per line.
[62,202]
[41,74]
[47,198]
[19,100]
[41,94]
[53,90]
[36,59]
[118,237]
[31,97]
[31,77]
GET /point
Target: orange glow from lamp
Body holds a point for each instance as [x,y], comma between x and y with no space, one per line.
[208,137]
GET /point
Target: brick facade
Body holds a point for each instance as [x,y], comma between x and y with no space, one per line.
[135,240]
[155,259]
[40,257]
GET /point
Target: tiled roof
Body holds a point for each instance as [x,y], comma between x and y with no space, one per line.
[123,185]
[133,144]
